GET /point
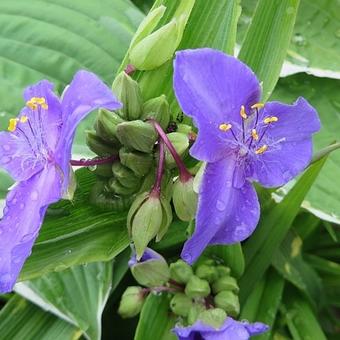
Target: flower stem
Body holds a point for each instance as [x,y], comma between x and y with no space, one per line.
[157,186]
[184,174]
[95,161]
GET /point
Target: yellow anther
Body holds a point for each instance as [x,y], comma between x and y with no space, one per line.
[39,100]
[23,119]
[44,106]
[243,112]
[254,134]
[257,106]
[31,104]
[12,124]
[35,101]
[262,149]
[225,127]
[269,120]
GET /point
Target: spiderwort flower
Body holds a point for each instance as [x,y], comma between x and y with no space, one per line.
[230,330]
[241,140]
[36,151]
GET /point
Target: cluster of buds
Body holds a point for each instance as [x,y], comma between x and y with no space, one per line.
[149,171]
[206,291]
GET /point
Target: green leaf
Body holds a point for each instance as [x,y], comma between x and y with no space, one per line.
[155,321]
[323,199]
[264,301]
[21,319]
[267,39]
[77,295]
[272,229]
[77,233]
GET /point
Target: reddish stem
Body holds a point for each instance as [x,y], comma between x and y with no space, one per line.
[157,186]
[95,161]
[184,174]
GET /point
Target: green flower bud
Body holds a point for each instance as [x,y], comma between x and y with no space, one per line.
[195,310]
[225,283]
[223,270]
[106,125]
[184,128]
[104,170]
[151,272]
[213,317]
[228,301]
[131,302]
[115,186]
[98,145]
[158,109]
[180,271]
[180,304]
[144,221]
[140,163]
[166,220]
[128,92]
[125,176]
[184,199]
[207,272]
[137,135]
[181,143]
[197,287]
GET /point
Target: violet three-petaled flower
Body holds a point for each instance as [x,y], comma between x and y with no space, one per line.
[230,330]
[241,140]
[36,151]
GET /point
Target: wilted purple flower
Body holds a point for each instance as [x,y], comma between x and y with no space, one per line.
[230,330]
[148,255]
[241,140]
[36,151]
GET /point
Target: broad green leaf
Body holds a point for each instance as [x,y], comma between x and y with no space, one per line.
[155,321]
[314,47]
[77,233]
[21,319]
[264,301]
[272,229]
[77,295]
[323,94]
[267,39]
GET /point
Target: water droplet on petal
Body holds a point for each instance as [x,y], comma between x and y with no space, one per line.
[22,205]
[228,184]
[5,160]
[220,205]
[27,237]
[6,147]
[34,195]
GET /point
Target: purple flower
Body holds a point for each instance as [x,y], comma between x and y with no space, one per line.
[241,140]
[230,330]
[149,255]
[36,152]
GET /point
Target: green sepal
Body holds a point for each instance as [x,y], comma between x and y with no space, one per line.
[180,271]
[106,125]
[180,304]
[197,287]
[225,283]
[125,176]
[166,220]
[158,109]
[207,272]
[223,270]
[140,163]
[213,317]
[195,310]
[180,141]
[131,302]
[137,135]
[115,186]
[98,145]
[104,170]
[228,301]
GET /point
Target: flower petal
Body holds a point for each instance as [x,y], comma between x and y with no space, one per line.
[211,87]
[148,255]
[213,206]
[25,207]
[85,94]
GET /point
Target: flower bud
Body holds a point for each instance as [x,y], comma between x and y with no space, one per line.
[225,283]
[106,125]
[180,141]
[158,109]
[180,271]
[125,176]
[104,170]
[128,92]
[144,220]
[184,199]
[207,272]
[197,287]
[228,301]
[115,186]
[180,304]
[140,163]
[195,310]
[213,317]
[223,270]
[184,128]
[151,270]
[98,145]
[131,302]
[137,135]
[166,220]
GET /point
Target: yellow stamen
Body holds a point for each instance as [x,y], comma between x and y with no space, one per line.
[225,127]
[243,112]
[39,100]
[254,134]
[31,105]
[262,149]
[257,106]
[269,120]
[23,119]
[12,124]
[35,101]
[44,106]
